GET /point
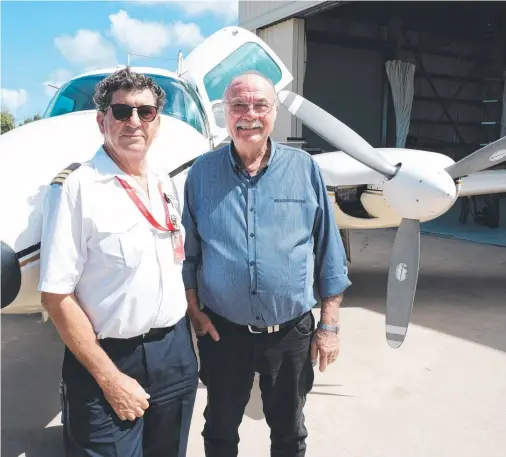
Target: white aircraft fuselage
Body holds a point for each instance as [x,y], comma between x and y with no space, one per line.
[66,139]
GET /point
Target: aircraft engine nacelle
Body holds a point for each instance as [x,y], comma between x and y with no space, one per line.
[11,275]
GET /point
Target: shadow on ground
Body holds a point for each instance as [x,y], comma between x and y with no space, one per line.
[31,371]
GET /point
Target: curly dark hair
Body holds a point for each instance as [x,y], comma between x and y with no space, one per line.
[127,80]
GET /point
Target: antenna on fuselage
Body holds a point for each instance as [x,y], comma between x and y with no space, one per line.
[179,63]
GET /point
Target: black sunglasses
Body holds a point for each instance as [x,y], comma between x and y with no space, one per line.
[122,112]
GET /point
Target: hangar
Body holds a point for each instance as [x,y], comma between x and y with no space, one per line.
[421,75]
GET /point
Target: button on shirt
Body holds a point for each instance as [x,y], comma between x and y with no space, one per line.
[257,245]
[96,243]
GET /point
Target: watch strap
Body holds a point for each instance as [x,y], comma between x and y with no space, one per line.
[328,328]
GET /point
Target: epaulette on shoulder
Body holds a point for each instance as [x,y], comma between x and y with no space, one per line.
[64,174]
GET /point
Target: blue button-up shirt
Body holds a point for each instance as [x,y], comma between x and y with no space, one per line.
[257,245]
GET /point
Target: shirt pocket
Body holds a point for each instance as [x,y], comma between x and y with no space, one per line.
[122,246]
[289,200]
[290,216]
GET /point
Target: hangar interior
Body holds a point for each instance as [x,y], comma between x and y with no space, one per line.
[457,50]
[454,54]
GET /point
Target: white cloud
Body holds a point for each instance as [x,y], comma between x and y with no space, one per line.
[139,37]
[151,38]
[186,34]
[57,78]
[226,9]
[13,99]
[87,49]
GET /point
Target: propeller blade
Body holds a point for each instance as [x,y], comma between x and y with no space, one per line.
[488,156]
[402,279]
[335,132]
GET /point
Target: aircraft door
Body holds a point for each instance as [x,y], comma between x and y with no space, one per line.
[225,54]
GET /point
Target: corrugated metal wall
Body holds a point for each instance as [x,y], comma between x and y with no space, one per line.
[287,40]
[253,10]
[256,14]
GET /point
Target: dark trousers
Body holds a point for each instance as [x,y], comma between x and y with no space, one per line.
[166,367]
[227,369]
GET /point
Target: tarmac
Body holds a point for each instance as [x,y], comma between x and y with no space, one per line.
[441,394]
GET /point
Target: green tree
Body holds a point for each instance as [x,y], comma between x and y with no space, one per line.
[31,119]
[7,121]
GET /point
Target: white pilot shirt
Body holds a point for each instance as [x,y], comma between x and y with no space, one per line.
[96,243]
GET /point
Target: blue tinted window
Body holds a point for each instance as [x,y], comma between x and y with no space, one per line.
[249,56]
[181,103]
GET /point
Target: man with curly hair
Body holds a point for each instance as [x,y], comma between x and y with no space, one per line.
[111,261]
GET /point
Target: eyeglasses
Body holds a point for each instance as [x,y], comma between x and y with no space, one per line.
[122,112]
[261,108]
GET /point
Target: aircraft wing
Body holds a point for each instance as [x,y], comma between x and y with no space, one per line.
[339,169]
[483,182]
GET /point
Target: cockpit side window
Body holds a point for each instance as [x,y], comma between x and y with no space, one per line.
[182,103]
[63,105]
[76,95]
[249,56]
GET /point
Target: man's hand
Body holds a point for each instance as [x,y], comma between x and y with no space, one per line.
[326,344]
[200,321]
[203,325]
[126,396]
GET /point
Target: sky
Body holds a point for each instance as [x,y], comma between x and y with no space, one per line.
[48,42]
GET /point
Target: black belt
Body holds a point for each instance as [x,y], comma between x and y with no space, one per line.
[253,328]
[152,335]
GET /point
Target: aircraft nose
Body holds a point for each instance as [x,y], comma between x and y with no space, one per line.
[11,275]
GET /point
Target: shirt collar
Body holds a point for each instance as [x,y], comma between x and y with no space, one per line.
[105,167]
[234,157]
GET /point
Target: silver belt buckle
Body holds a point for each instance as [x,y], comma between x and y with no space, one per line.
[253,331]
[271,329]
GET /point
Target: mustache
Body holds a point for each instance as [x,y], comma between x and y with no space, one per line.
[130,131]
[249,125]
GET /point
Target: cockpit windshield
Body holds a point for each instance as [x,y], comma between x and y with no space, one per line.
[181,103]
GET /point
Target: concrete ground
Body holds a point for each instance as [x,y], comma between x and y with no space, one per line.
[443,393]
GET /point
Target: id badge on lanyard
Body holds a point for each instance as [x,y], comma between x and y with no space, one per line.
[178,246]
[171,221]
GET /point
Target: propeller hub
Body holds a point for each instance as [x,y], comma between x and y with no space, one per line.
[420,192]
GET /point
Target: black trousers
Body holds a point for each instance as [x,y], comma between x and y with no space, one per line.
[227,369]
[166,367]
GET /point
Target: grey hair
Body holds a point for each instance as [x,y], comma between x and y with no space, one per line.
[246,73]
[127,80]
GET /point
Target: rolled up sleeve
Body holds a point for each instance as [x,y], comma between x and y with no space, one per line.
[331,268]
[63,246]
[192,239]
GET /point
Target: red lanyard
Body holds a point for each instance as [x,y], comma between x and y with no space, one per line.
[145,211]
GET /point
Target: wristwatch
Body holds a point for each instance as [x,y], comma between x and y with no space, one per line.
[329,328]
